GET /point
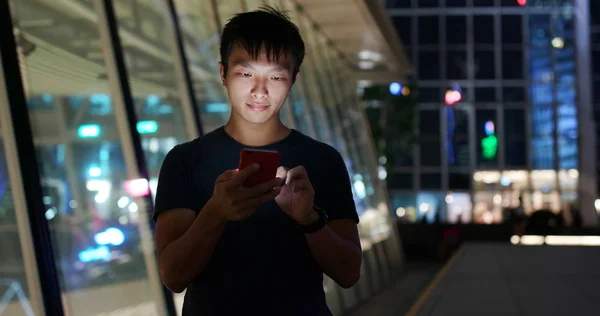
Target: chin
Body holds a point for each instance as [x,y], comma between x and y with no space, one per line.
[256,120]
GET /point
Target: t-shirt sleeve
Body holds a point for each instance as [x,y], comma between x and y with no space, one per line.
[174,184]
[336,197]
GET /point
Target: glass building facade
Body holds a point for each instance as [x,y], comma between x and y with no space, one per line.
[93,95]
[500,110]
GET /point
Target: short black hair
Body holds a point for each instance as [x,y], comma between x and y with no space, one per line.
[265,27]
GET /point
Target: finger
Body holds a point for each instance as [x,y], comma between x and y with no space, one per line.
[282,172]
[244,174]
[226,176]
[261,199]
[296,173]
[260,189]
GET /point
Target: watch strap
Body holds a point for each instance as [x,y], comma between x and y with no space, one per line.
[320,223]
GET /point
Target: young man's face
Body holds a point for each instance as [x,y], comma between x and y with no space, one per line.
[256,88]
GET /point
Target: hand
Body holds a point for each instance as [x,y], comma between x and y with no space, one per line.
[297,195]
[234,202]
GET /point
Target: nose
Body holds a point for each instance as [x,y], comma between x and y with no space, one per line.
[259,90]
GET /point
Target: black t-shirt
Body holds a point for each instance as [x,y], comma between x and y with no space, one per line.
[262,265]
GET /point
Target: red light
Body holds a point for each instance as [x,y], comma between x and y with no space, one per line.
[522,2]
[137,187]
[452,96]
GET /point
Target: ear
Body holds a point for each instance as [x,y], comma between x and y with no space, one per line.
[222,73]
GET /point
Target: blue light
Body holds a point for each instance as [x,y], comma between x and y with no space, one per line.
[89,131]
[395,88]
[111,236]
[217,108]
[152,100]
[147,127]
[489,128]
[95,172]
[94,254]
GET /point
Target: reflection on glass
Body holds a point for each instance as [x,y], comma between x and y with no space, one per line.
[201,40]
[227,9]
[487,208]
[458,208]
[13,282]
[430,207]
[94,215]
[153,80]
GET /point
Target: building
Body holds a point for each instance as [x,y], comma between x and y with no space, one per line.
[595,44]
[505,115]
[93,94]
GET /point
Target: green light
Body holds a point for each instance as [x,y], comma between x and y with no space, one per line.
[89,131]
[489,147]
[147,127]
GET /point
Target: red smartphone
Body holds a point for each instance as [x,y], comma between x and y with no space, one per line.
[268,160]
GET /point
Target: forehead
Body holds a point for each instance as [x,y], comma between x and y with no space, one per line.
[239,55]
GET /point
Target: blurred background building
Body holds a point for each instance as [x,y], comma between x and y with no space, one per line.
[505,117]
[93,94]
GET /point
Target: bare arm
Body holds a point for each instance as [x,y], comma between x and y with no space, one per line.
[185,244]
[336,248]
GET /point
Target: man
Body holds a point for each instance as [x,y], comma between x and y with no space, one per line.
[260,250]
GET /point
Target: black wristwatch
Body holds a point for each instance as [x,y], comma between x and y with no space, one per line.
[320,223]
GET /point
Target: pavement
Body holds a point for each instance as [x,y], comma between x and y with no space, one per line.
[397,298]
[497,279]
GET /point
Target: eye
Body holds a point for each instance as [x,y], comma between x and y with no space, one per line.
[277,78]
[244,74]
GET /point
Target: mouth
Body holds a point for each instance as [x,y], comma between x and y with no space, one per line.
[257,107]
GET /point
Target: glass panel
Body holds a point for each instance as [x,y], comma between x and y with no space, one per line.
[429,206]
[513,94]
[545,195]
[511,29]
[458,136]
[400,181]
[429,95]
[102,254]
[542,127]
[429,32]
[399,154]
[485,65]
[483,32]
[153,80]
[459,208]
[251,5]
[405,206]
[514,135]
[430,153]
[427,3]
[403,27]
[201,41]
[483,95]
[488,207]
[397,4]
[227,9]
[429,65]
[456,30]
[456,3]
[431,181]
[512,64]
[13,280]
[459,181]
[483,3]
[456,64]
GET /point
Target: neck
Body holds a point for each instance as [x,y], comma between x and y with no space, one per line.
[256,135]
